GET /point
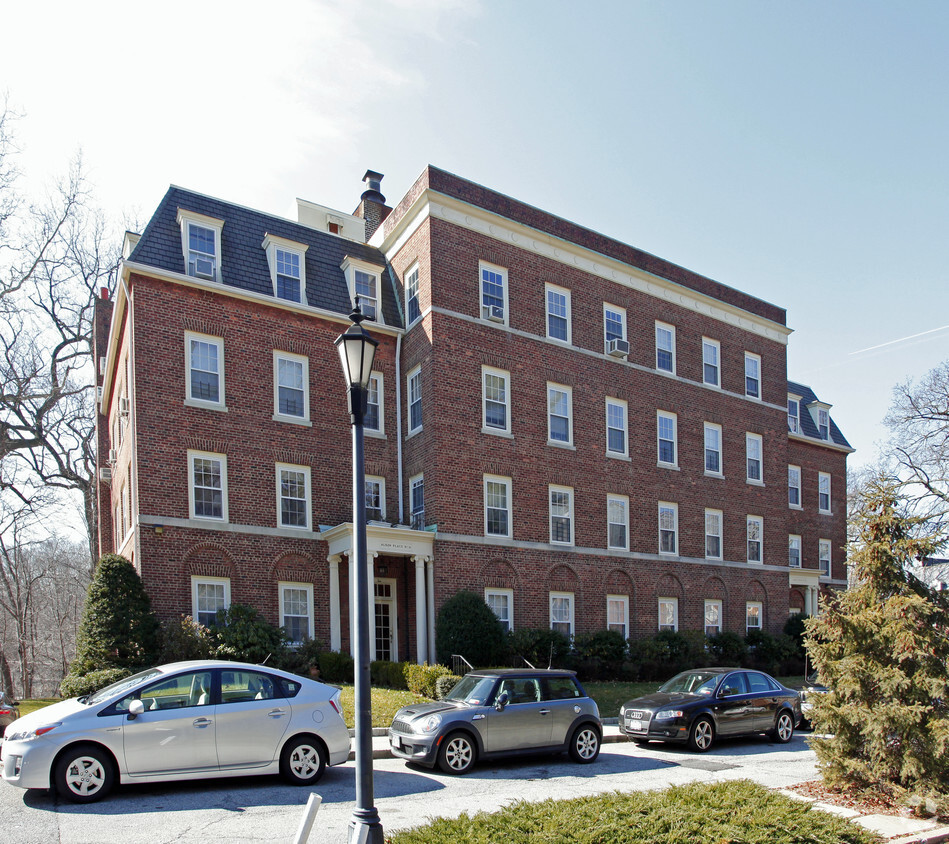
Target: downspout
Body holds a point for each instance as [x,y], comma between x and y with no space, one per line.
[398,423]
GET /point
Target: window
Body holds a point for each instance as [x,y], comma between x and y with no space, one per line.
[755,528]
[753,457]
[412,308]
[713,618]
[713,449]
[374,420]
[669,614]
[417,501]
[558,313]
[287,267]
[752,616]
[794,416]
[296,611]
[561,515]
[665,347]
[752,375]
[794,551]
[293,496]
[794,486]
[823,424]
[614,327]
[496,400]
[617,518]
[617,614]
[823,492]
[208,487]
[204,357]
[666,434]
[501,602]
[616,442]
[668,528]
[824,558]
[493,293]
[208,595]
[415,399]
[559,414]
[711,351]
[201,244]
[713,534]
[561,612]
[497,506]
[291,388]
[375,498]
[363,281]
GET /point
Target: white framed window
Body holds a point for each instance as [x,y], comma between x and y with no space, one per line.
[794,551]
[755,538]
[413,310]
[201,244]
[561,514]
[558,313]
[291,377]
[287,262]
[713,534]
[753,375]
[617,443]
[614,329]
[617,614]
[794,415]
[208,595]
[494,306]
[665,347]
[752,616]
[296,610]
[669,614]
[794,487]
[823,424]
[561,612]
[495,400]
[293,496]
[204,364]
[666,435]
[501,602]
[823,492]
[497,506]
[753,458]
[362,278]
[207,487]
[823,560]
[414,394]
[559,414]
[417,501]
[711,356]
[374,419]
[668,528]
[713,449]
[375,498]
[713,617]
[617,522]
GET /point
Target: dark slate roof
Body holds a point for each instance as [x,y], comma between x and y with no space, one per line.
[808,426]
[244,262]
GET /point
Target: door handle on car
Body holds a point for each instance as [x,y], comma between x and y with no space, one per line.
[202,722]
[545,712]
[276,713]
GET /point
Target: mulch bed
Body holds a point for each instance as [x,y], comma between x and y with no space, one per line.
[866,804]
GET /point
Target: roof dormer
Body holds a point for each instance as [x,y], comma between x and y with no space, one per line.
[820,413]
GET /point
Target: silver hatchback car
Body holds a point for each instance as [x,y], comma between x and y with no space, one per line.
[185,720]
[499,713]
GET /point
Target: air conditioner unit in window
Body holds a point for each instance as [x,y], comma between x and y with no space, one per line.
[113,455]
[495,313]
[203,268]
[105,475]
[124,405]
[617,348]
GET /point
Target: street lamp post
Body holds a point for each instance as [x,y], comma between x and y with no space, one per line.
[357,349]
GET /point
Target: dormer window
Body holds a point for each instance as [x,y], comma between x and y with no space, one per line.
[794,415]
[201,244]
[820,413]
[287,267]
[366,291]
[363,282]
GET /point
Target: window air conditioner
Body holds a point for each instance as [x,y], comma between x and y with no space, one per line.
[618,348]
[105,474]
[495,313]
[203,268]
[123,405]
[113,455]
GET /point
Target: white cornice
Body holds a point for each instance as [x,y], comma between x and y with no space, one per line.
[803,438]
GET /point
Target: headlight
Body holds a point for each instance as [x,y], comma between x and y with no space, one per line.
[430,724]
[29,735]
[667,714]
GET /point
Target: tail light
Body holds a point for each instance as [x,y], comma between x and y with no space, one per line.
[335,703]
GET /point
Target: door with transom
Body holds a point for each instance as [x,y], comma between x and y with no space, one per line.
[387,643]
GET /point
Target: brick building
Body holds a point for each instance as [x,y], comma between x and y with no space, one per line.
[586,434]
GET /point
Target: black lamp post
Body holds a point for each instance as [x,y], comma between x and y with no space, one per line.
[357,349]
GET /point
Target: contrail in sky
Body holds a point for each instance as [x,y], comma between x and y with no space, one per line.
[901,340]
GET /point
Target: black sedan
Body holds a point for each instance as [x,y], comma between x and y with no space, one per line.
[699,706]
[8,712]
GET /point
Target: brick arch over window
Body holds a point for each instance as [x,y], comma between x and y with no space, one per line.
[209,560]
[714,588]
[298,568]
[796,600]
[618,582]
[562,578]
[499,574]
[669,586]
[755,591]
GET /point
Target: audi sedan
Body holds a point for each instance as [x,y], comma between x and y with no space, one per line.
[701,706]
[182,721]
[499,712]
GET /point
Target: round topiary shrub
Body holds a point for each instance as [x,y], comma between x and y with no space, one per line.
[467,626]
[241,634]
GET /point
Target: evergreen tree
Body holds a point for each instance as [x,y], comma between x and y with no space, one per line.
[466,625]
[882,650]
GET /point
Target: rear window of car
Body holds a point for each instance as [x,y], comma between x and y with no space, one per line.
[562,688]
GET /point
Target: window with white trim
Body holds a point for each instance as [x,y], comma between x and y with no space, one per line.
[201,244]
[794,487]
[794,415]
[752,375]
[617,614]
[617,518]
[823,424]
[616,439]
[665,347]
[668,528]
[713,449]
[559,414]
[497,506]
[755,532]
[375,498]
[561,612]
[287,262]
[614,325]
[414,381]
[495,400]
[711,354]
[666,424]
[293,496]
[669,614]
[296,610]
[204,359]
[413,309]
[794,551]
[362,278]
[208,596]
[558,313]
[561,514]
[208,485]
[753,458]
[291,388]
[713,617]
[417,501]
[501,602]
[374,419]
[753,616]
[823,492]
[493,293]
[823,560]
[713,534]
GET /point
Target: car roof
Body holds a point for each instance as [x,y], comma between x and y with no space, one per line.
[522,672]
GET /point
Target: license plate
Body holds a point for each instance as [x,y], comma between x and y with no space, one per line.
[636,725]
[396,742]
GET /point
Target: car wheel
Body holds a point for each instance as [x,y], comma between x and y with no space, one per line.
[303,761]
[584,744]
[702,734]
[84,774]
[457,754]
[783,727]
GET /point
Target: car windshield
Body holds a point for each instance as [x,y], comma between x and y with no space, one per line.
[472,690]
[691,683]
[122,685]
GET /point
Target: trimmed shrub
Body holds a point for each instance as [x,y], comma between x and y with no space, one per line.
[241,634]
[336,667]
[466,625]
[391,675]
[421,679]
[668,652]
[73,686]
[444,684]
[539,646]
[599,655]
[727,648]
[183,638]
[769,653]
[303,659]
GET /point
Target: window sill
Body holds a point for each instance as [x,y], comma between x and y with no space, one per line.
[497,432]
[751,482]
[206,405]
[377,435]
[674,467]
[292,420]
[411,434]
[826,512]
[718,475]
[795,507]
[557,444]
[617,456]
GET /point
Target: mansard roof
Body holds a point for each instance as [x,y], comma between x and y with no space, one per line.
[808,425]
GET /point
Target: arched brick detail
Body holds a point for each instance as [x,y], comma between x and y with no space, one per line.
[796,600]
[618,582]
[498,574]
[714,588]
[755,591]
[562,578]
[669,586]
[297,568]
[209,559]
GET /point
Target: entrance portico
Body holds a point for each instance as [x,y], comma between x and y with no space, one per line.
[808,582]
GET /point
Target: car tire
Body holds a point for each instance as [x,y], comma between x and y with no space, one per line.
[585,744]
[783,727]
[84,774]
[303,760]
[457,753]
[701,734]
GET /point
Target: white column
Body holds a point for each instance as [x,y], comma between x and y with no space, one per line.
[371,598]
[336,635]
[352,603]
[430,598]
[421,639]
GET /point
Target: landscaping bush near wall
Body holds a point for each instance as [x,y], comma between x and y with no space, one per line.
[540,647]
[421,679]
[444,684]
[73,686]
[336,667]
[391,675]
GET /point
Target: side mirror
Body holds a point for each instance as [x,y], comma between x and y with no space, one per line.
[501,702]
[136,708]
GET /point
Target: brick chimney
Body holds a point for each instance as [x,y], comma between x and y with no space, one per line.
[372,204]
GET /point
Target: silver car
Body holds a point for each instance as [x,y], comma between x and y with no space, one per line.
[186,720]
[499,713]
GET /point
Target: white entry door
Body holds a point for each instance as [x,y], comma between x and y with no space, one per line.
[387,644]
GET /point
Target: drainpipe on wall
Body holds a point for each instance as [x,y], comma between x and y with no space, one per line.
[398,423]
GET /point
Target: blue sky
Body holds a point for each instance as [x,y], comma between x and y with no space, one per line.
[797,151]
